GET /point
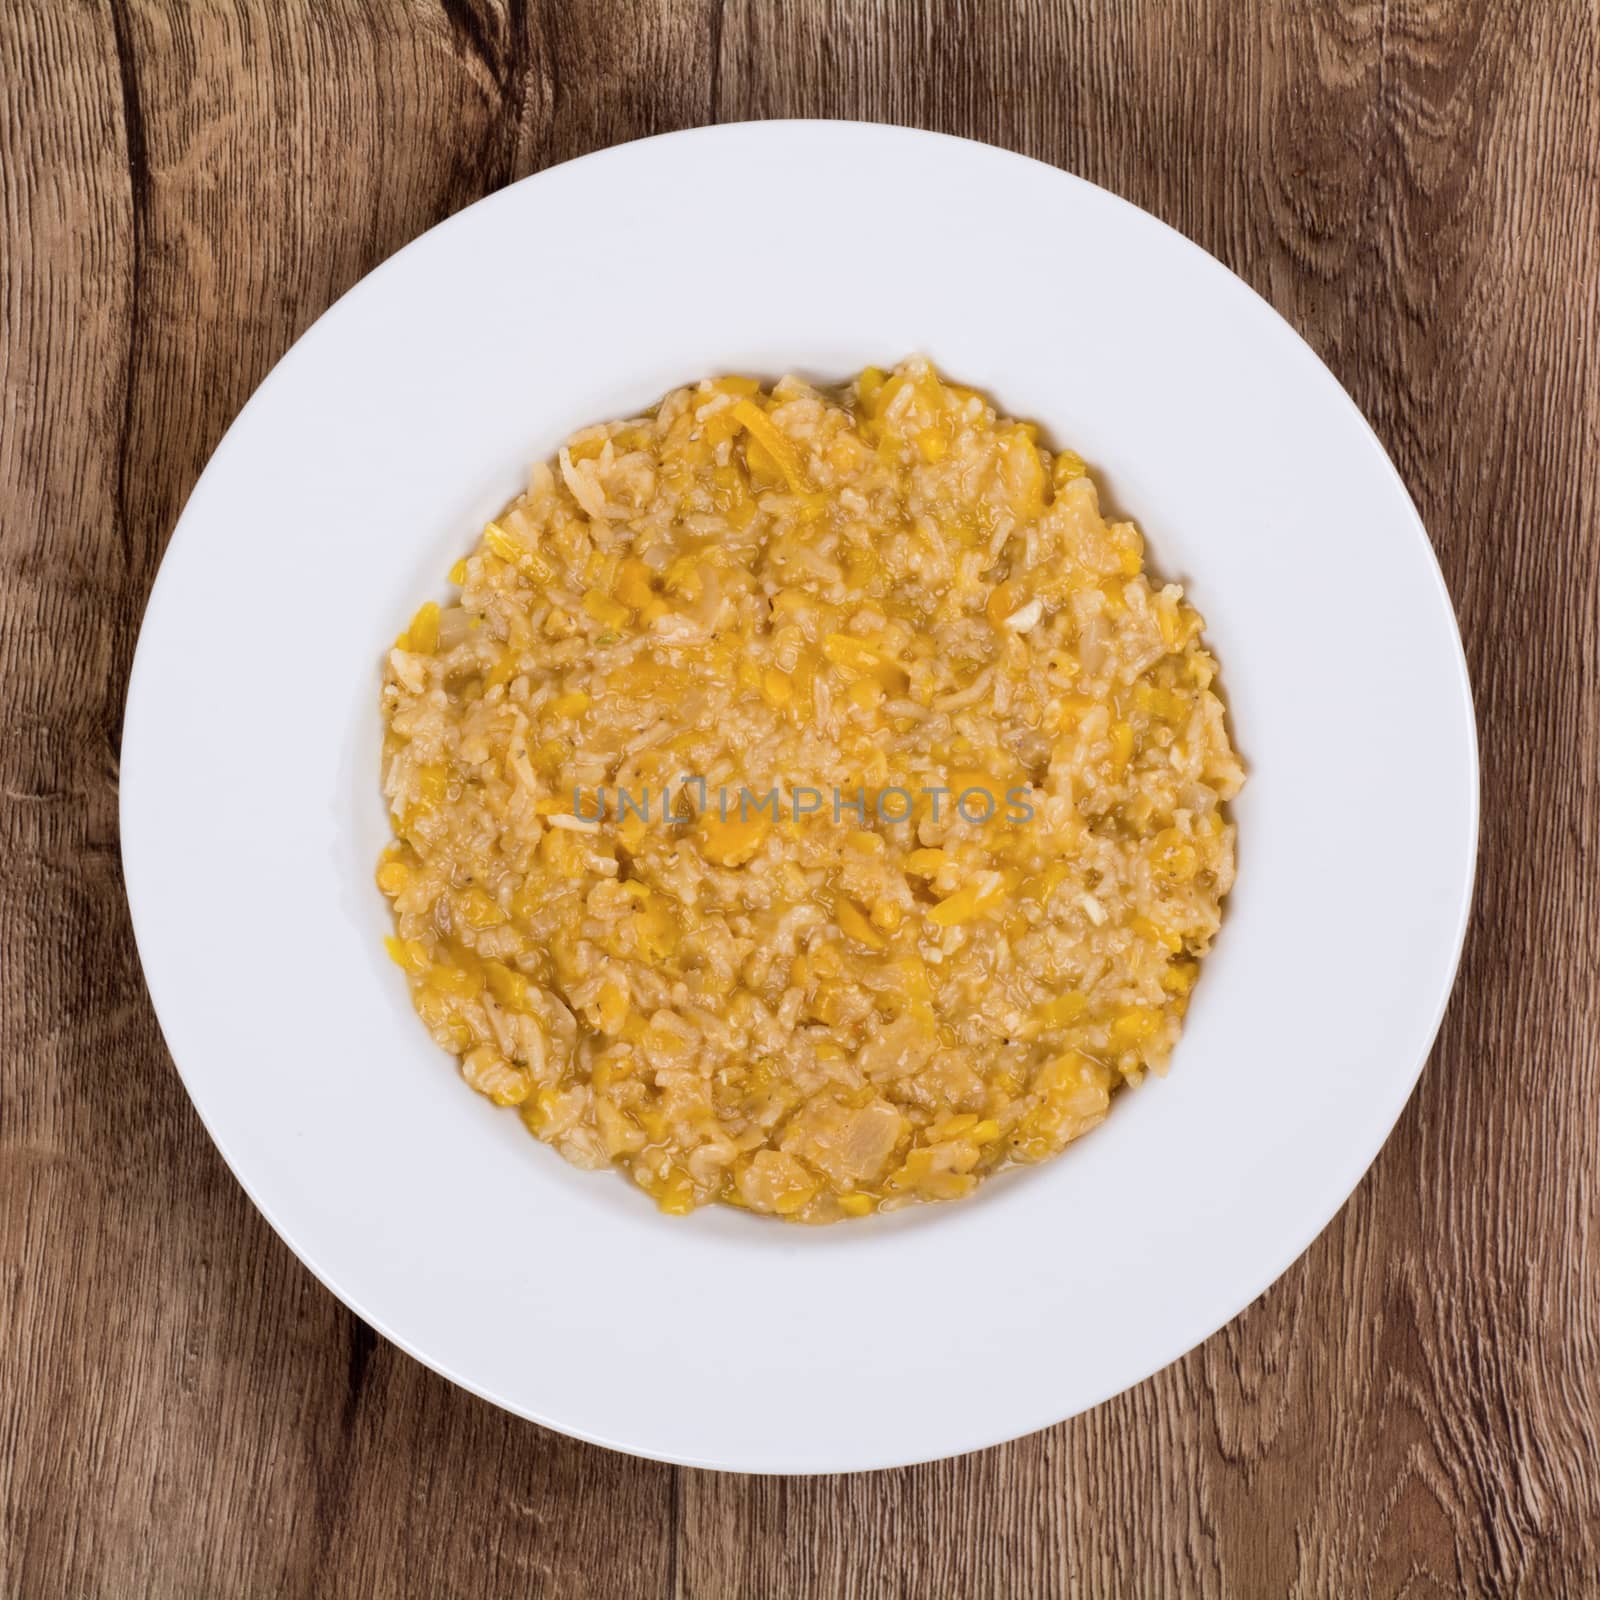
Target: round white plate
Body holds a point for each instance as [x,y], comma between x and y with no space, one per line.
[367,462]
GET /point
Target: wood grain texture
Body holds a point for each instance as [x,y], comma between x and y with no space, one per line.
[1414,1409]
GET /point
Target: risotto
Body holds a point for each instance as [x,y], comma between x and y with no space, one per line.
[806,800]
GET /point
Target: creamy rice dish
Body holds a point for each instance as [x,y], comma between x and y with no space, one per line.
[806,800]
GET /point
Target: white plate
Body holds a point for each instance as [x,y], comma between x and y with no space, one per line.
[366,463]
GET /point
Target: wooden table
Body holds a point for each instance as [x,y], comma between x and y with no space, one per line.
[1413,1409]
